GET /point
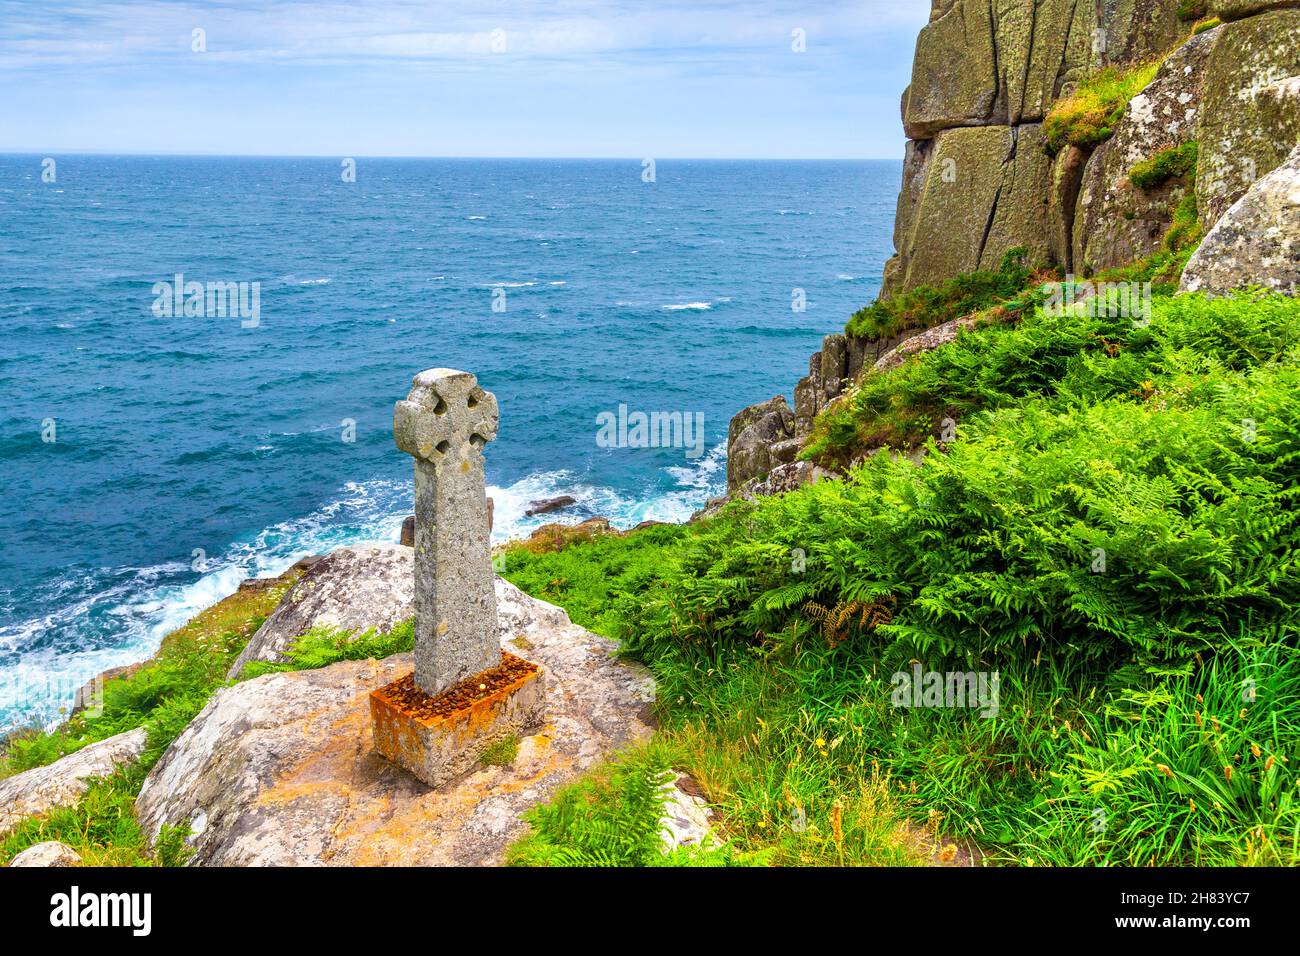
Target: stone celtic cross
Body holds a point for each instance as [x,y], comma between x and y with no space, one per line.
[444,424]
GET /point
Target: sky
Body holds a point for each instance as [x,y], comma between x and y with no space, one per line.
[562,78]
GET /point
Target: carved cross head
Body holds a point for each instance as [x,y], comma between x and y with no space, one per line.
[446,414]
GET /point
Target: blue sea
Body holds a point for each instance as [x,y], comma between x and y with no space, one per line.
[151,462]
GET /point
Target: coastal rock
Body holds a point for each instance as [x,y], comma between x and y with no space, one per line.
[751,434]
[1115,222]
[984,75]
[258,584]
[546,505]
[1256,242]
[61,783]
[1062,203]
[352,589]
[280,770]
[788,477]
[1248,121]
[782,478]
[49,853]
[1003,63]
[1238,9]
[923,341]
[983,190]
[687,819]
[557,537]
[90,694]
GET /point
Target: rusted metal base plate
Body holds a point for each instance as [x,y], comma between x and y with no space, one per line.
[439,738]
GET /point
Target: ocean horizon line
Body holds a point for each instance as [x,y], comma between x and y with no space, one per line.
[581,159]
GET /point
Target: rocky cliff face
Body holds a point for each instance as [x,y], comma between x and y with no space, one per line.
[976,179]
[979,180]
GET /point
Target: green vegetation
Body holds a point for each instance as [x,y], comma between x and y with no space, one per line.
[1165,265]
[1172,162]
[612,817]
[1189,10]
[101,827]
[1207,24]
[323,646]
[166,691]
[163,696]
[1053,358]
[1006,290]
[586,582]
[1087,117]
[502,753]
[1113,531]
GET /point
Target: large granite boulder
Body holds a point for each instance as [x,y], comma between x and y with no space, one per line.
[1256,242]
[978,192]
[750,437]
[280,770]
[49,853]
[351,589]
[1115,222]
[1249,119]
[62,783]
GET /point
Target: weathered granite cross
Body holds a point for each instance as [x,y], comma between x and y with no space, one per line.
[466,693]
[444,423]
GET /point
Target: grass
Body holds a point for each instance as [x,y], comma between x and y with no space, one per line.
[613,817]
[501,753]
[1043,354]
[323,646]
[1172,162]
[1150,708]
[190,664]
[1164,267]
[586,582]
[1007,288]
[1088,116]
[164,696]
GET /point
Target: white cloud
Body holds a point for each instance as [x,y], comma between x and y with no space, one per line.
[69,33]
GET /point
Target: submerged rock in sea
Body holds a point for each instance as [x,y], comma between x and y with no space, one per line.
[546,505]
[280,770]
[351,589]
[63,782]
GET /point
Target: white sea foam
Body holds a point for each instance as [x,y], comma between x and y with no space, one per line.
[41,680]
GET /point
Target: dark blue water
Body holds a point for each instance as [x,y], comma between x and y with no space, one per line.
[191,452]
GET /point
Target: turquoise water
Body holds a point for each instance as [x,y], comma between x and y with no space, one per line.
[192,452]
